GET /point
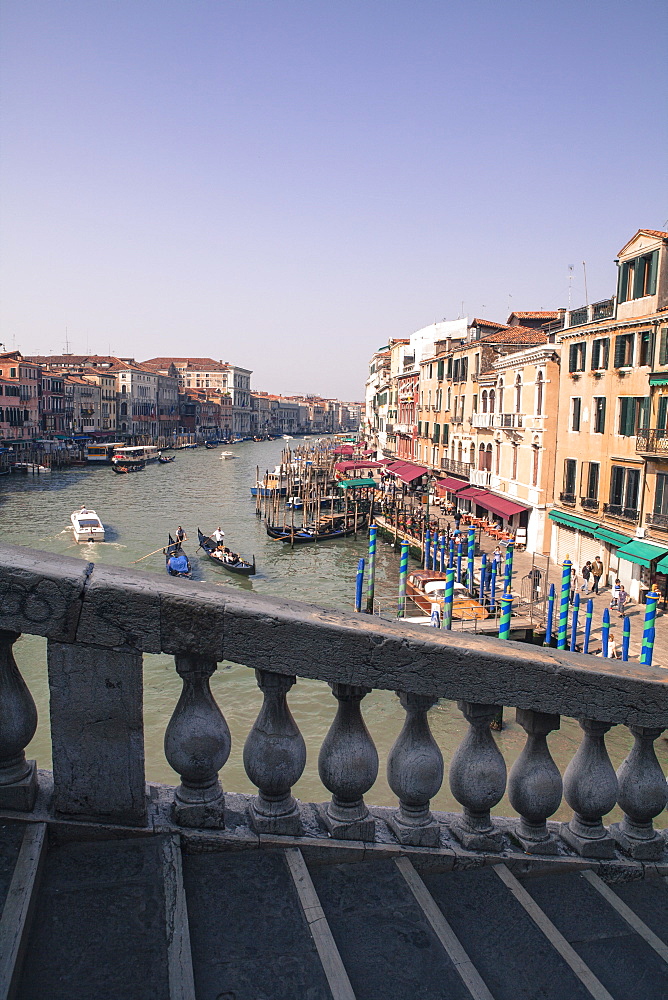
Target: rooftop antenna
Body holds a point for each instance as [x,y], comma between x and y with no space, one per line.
[509,303]
[570,283]
[584,268]
[67,342]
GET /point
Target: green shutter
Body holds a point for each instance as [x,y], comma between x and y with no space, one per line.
[419,428]
[437,433]
[572,358]
[620,350]
[596,355]
[653,266]
[663,346]
[623,281]
[439,371]
[639,277]
[446,433]
[651,347]
[645,409]
[623,414]
[662,412]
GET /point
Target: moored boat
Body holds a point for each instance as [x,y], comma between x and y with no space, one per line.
[87,526]
[426,587]
[294,503]
[166,459]
[301,536]
[177,562]
[224,557]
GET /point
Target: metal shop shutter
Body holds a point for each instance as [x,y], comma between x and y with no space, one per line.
[589,549]
[567,544]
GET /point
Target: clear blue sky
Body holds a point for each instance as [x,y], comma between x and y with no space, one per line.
[287,183]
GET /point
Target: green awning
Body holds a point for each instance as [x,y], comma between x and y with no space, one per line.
[610,536]
[660,379]
[642,553]
[356,482]
[571,521]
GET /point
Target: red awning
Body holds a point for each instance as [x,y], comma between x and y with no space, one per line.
[502,506]
[406,471]
[363,464]
[473,493]
[450,485]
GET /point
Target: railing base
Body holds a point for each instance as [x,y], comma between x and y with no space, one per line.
[428,835]
[549,846]
[287,824]
[20,795]
[355,829]
[588,847]
[474,840]
[640,850]
[202,813]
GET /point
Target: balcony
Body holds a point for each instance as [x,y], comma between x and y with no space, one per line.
[653,441]
[604,309]
[480,477]
[568,499]
[458,468]
[589,503]
[659,521]
[509,420]
[578,316]
[482,419]
[621,512]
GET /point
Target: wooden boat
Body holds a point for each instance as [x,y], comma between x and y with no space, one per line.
[209,445]
[123,467]
[301,536]
[427,586]
[87,526]
[177,562]
[166,459]
[294,503]
[221,557]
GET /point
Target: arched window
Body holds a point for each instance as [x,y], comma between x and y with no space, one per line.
[516,449]
[518,396]
[539,394]
[124,409]
[484,401]
[491,400]
[534,465]
[481,457]
[498,458]
[459,452]
[123,390]
[472,456]
[501,396]
[488,463]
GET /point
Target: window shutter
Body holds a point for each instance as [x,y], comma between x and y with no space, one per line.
[596,355]
[652,266]
[645,405]
[446,433]
[632,485]
[662,412]
[601,410]
[660,491]
[623,414]
[437,433]
[663,346]
[623,282]
[639,277]
[419,428]
[651,347]
[572,358]
[577,405]
[620,344]
[606,353]
[439,371]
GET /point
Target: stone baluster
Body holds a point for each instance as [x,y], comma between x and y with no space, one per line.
[348,766]
[642,795]
[590,788]
[534,783]
[415,774]
[274,758]
[18,722]
[477,780]
[197,744]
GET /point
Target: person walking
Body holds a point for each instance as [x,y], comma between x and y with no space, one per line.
[586,576]
[622,598]
[597,573]
[614,599]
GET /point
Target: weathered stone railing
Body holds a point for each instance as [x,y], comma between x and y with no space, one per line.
[99,621]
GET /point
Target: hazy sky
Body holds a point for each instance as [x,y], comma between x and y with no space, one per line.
[285,184]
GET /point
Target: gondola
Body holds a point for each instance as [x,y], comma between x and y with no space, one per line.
[210,444]
[302,536]
[176,561]
[166,459]
[123,468]
[241,566]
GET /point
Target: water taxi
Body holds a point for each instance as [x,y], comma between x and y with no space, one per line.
[426,587]
[87,526]
[224,455]
[102,453]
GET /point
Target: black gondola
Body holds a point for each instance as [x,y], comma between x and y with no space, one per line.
[177,562]
[302,536]
[123,467]
[166,459]
[217,556]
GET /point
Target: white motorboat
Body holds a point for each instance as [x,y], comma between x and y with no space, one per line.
[224,455]
[288,437]
[87,526]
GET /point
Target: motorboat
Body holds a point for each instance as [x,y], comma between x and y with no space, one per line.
[87,526]
[288,437]
[427,587]
[294,503]
[224,455]
[33,467]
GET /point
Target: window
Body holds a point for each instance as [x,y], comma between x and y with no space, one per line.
[661,496]
[624,350]
[662,413]
[516,449]
[437,433]
[663,346]
[624,488]
[539,394]
[593,473]
[600,353]
[492,398]
[633,414]
[439,371]
[577,355]
[475,403]
[570,470]
[646,347]
[598,414]
[535,456]
[484,401]
[576,409]
[637,277]
[481,457]
[498,458]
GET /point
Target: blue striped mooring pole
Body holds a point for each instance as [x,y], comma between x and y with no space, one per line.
[427,540]
[359,582]
[647,650]
[459,560]
[605,631]
[550,617]
[483,577]
[403,576]
[506,612]
[574,622]
[626,639]
[442,553]
[589,614]
[448,598]
[563,604]
[470,560]
[371,577]
[492,587]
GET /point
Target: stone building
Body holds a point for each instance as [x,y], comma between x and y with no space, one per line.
[21,398]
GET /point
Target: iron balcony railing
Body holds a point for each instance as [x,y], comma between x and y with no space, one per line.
[459,468]
[653,440]
[589,503]
[623,513]
[567,498]
[658,521]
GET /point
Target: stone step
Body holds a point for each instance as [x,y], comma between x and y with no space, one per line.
[388,944]
[101,928]
[512,954]
[249,931]
[22,852]
[619,952]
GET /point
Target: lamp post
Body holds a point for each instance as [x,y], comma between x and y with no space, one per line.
[430,482]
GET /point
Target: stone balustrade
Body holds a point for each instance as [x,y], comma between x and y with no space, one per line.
[100,620]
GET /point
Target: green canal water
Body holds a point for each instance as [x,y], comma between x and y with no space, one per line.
[200,490]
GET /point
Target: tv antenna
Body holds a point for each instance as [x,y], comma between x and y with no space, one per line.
[570,285]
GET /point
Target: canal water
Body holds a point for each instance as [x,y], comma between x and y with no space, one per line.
[200,490]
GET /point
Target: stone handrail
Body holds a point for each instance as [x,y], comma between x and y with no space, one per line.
[99,620]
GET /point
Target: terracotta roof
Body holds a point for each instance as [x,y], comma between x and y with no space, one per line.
[655,232]
[516,335]
[489,322]
[192,364]
[553,314]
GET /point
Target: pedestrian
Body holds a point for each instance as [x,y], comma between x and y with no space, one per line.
[622,598]
[597,573]
[613,650]
[615,594]
[496,558]
[586,575]
[458,518]
[574,583]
